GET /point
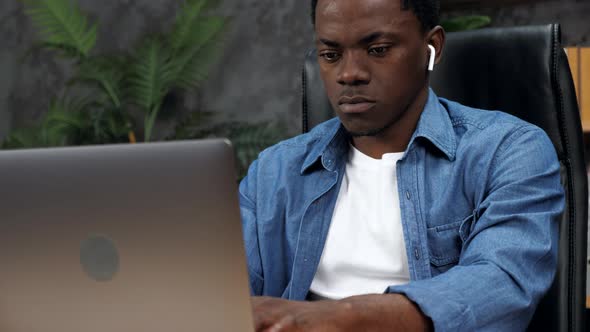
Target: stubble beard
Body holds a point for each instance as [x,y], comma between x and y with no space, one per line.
[372,132]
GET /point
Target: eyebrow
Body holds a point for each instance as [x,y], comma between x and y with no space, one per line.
[329,43]
[375,36]
[364,41]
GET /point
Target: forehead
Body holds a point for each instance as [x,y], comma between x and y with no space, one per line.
[349,18]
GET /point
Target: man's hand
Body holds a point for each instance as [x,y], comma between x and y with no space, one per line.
[384,312]
[274,315]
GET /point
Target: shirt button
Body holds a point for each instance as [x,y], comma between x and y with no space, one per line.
[417,254]
[408,195]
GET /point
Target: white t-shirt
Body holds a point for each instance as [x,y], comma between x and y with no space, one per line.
[365,251]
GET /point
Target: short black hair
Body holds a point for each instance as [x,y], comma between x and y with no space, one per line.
[427,11]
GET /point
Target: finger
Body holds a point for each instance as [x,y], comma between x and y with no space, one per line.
[268,312]
[259,300]
[285,324]
[262,319]
[265,315]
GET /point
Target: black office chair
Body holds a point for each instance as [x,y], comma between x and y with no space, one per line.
[522,71]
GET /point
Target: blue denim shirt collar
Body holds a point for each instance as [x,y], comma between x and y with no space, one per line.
[434,125]
[332,146]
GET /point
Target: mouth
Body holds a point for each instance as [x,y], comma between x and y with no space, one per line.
[355,104]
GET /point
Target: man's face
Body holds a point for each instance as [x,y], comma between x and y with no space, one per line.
[373,60]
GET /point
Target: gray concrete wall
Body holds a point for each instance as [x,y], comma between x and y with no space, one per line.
[259,75]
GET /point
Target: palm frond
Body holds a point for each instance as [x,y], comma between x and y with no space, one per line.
[66,122]
[66,113]
[22,138]
[105,73]
[193,63]
[111,126]
[150,76]
[151,79]
[189,12]
[62,125]
[63,26]
[183,32]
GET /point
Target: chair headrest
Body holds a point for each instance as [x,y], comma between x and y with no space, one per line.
[516,70]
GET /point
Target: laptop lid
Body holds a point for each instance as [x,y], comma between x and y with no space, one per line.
[142,237]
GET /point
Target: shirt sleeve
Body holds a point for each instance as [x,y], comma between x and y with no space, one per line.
[509,250]
[250,229]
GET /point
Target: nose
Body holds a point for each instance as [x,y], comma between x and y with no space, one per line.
[353,70]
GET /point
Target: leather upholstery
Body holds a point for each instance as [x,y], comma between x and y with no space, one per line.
[522,71]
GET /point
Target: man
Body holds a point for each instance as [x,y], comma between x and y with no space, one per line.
[406,212]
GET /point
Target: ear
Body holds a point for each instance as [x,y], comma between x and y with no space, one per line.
[436,38]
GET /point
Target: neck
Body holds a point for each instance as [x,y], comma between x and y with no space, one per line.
[397,137]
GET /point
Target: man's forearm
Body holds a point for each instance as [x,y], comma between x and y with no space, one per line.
[386,312]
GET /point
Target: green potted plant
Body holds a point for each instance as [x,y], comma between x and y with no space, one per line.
[114,85]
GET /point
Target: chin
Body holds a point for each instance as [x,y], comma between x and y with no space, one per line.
[365,129]
[366,133]
[358,131]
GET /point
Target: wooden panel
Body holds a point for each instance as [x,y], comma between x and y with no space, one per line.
[579,60]
[584,86]
[573,55]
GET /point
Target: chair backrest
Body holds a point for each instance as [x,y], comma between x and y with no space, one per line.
[522,71]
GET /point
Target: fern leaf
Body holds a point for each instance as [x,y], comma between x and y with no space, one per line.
[62,26]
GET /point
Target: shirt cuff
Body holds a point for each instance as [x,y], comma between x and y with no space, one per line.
[446,314]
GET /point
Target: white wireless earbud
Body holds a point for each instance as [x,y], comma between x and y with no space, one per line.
[432,56]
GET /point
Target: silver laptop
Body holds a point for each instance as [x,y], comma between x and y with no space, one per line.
[127,238]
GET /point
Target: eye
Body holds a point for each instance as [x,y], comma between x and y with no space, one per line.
[330,56]
[378,50]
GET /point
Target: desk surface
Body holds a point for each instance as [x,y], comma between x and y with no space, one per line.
[588,302]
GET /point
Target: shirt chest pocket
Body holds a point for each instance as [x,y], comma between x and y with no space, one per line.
[445,244]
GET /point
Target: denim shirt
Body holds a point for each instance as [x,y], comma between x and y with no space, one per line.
[480,198]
